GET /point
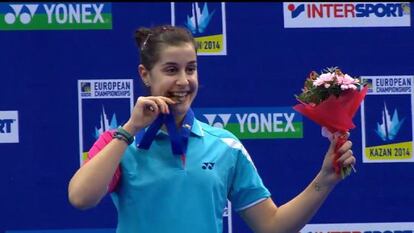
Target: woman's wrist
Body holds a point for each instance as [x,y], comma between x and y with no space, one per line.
[325,181]
[130,128]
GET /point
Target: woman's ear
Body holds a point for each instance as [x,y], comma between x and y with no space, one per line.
[144,73]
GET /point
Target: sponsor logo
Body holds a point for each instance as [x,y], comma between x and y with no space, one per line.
[9,127]
[104,123]
[382,122]
[23,17]
[105,89]
[50,16]
[255,123]
[208,166]
[369,84]
[198,20]
[396,151]
[112,88]
[346,14]
[86,89]
[206,22]
[389,85]
[103,104]
[387,130]
[5,125]
[296,10]
[389,127]
[217,120]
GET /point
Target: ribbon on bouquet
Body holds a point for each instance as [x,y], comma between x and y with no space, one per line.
[179,137]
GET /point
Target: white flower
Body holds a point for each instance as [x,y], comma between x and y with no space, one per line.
[327,77]
[348,86]
[317,82]
[348,80]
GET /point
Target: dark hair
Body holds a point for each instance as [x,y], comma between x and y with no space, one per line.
[151,40]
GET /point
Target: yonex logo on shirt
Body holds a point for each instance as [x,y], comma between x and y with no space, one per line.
[208,166]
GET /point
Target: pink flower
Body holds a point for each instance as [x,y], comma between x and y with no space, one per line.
[324,79]
[332,81]
[340,79]
[327,77]
[346,79]
[348,86]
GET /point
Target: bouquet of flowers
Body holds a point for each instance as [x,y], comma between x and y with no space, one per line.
[331,99]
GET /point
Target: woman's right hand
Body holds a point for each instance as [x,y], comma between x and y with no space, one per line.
[145,111]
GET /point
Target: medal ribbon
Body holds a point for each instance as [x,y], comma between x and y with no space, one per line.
[179,137]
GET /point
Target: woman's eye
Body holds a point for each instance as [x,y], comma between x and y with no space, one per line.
[170,70]
[191,69]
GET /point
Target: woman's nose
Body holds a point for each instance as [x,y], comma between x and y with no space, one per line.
[182,79]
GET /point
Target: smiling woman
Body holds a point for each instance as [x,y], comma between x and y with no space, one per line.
[169,67]
[191,165]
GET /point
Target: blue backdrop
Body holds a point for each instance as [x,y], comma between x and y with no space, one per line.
[265,65]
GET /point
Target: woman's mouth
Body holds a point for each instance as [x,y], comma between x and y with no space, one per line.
[178,96]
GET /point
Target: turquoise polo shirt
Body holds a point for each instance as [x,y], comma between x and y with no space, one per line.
[157,194]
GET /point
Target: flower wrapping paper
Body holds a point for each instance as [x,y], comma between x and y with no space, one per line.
[337,100]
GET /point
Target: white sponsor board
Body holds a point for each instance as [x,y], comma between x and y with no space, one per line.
[346,14]
[392,227]
[9,126]
[103,104]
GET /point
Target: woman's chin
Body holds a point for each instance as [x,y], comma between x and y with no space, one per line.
[180,109]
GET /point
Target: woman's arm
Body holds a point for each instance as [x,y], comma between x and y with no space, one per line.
[266,217]
[90,183]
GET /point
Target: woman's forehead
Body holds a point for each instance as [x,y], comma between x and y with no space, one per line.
[178,54]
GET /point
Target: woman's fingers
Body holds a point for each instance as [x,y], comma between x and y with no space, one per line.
[163,103]
[346,146]
[347,158]
[349,161]
[159,103]
[168,100]
[150,105]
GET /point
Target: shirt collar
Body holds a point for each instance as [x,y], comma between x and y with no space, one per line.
[196,129]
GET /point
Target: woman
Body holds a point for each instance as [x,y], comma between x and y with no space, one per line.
[156,189]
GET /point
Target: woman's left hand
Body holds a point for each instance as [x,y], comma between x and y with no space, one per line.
[345,158]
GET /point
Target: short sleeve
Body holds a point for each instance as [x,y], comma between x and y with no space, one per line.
[247,188]
[102,141]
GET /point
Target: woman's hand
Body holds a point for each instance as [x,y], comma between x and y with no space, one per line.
[345,158]
[145,111]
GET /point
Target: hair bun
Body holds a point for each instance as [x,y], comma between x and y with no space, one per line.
[141,35]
